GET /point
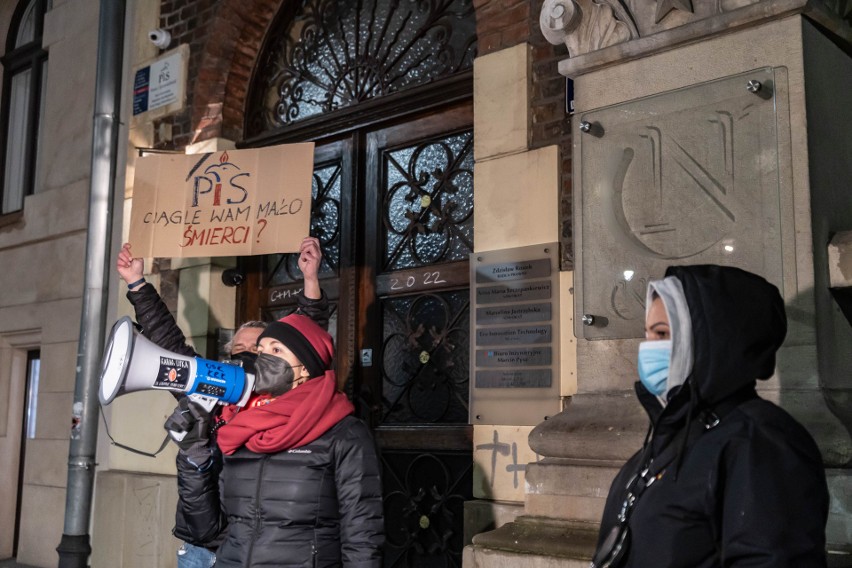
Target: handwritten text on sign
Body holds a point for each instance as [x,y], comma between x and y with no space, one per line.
[234,203]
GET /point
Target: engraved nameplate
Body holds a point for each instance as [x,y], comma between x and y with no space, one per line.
[513,314]
[510,378]
[514,335]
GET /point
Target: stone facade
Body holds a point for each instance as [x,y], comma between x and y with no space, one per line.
[545,495]
[43,254]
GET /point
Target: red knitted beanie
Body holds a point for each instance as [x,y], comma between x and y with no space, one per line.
[308,341]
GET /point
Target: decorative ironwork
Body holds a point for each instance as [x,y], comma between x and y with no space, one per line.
[334,54]
[424,497]
[425,359]
[325,226]
[428,202]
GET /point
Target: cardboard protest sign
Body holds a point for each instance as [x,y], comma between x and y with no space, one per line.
[230,203]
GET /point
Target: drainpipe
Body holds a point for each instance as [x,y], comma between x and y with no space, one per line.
[74,548]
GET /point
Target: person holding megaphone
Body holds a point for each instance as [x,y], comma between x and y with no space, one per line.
[200,519]
[299,474]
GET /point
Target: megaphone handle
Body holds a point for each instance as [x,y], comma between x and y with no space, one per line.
[208,403]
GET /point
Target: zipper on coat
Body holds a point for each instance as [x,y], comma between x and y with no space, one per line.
[256,529]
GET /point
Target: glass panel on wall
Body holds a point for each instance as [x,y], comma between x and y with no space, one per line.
[16,141]
[26,31]
[331,55]
[37,159]
[683,177]
[23,103]
[33,370]
[428,203]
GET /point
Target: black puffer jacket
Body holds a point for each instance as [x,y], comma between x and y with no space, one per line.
[157,322]
[747,491]
[160,327]
[316,505]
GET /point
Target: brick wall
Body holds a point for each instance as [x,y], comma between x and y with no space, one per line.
[187,21]
[505,23]
[550,121]
[223,36]
[501,24]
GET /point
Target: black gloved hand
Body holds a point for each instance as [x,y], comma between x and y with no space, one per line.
[190,420]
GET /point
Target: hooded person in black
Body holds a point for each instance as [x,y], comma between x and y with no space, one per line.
[724,478]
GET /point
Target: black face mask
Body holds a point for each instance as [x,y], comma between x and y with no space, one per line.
[273,375]
[246,359]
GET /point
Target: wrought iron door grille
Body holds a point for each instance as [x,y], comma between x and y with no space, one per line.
[427,202]
[329,55]
[424,506]
[425,359]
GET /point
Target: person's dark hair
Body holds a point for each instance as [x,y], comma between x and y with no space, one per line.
[248,325]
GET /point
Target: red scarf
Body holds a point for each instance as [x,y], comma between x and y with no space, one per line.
[294,419]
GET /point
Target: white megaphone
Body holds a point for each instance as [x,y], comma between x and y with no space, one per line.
[131,363]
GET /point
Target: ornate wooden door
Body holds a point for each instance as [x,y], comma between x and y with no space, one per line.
[417,313]
[384,88]
[393,210]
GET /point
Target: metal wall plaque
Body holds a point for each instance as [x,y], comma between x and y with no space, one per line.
[513,293]
[508,379]
[515,335]
[513,313]
[159,87]
[508,271]
[514,357]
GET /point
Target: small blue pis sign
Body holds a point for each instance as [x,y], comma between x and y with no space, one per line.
[162,83]
[141,87]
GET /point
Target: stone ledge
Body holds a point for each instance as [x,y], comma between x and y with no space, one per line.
[477,557]
[602,429]
[542,536]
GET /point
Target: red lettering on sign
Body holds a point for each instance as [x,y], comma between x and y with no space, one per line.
[215,236]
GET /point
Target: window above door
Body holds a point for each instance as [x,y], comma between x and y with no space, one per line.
[325,56]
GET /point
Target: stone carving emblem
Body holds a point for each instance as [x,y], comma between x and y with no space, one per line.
[585,26]
[603,23]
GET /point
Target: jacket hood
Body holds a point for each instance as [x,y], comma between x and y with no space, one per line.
[738,324]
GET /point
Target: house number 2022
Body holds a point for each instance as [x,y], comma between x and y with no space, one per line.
[428,278]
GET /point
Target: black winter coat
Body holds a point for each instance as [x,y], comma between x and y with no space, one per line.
[747,491]
[159,326]
[317,505]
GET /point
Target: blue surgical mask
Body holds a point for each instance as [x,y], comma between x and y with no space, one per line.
[654,360]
